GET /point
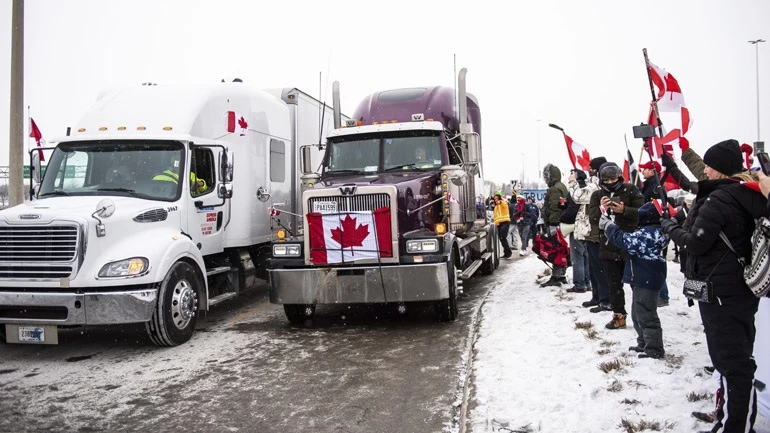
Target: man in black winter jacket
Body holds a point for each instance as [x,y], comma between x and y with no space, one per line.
[621,201]
[725,205]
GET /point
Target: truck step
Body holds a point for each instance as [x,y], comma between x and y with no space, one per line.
[470,270]
[221,298]
[217,270]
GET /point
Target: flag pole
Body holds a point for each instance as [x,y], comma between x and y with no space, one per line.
[648,141]
[652,93]
[569,149]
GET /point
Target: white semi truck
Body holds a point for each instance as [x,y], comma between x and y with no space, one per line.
[155,207]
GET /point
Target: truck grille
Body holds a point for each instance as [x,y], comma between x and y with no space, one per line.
[38,251]
[361,202]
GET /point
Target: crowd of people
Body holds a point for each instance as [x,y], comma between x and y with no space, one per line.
[617,235]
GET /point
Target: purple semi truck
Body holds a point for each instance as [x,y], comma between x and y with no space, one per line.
[392,216]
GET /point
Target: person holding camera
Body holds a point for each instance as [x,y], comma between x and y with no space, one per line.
[621,202]
[725,207]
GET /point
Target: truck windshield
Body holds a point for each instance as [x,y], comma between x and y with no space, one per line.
[374,153]
[144,169]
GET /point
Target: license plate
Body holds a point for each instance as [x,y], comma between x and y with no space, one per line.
[325,206]
[32,334]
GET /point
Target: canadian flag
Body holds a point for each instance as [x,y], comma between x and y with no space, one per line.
[236,123]
[658,203]
[349,236]
[670,96]
[35,133]
[578,154]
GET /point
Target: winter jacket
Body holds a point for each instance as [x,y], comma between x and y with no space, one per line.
[672,170]
[529,215]
[501,213]
[645,261]
[651,189]
[721,205]
[555,197]
[582,196]
[632,199]
[694,163]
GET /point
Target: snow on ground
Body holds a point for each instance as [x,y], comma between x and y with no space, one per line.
[537,371]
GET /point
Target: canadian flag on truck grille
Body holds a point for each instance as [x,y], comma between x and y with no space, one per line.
[349,236]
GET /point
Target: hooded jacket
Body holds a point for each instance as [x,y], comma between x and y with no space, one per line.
[556,196]
[722,205]
[582,196]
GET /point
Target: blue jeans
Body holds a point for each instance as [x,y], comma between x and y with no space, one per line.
[599,290]
[581,262]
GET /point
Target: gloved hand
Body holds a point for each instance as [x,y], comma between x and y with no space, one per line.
[604,221]
[668,161]
[684,144]
[668,224]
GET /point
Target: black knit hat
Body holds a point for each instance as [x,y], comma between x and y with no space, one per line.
[597,162]
[579,174]
[725,157]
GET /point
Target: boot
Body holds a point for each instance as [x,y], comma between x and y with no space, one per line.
[618,321]
[552,282]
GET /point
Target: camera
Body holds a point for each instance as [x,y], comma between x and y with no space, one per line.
[644,131]
[764,162]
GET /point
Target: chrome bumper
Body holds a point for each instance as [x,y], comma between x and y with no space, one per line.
[77,309]
[404,283]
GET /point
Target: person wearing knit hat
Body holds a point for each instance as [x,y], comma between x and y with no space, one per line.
[595,164]
[723,158]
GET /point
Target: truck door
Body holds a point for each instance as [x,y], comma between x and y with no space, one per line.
[279,177]
[208,213]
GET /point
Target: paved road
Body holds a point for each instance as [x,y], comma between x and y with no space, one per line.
[352,369]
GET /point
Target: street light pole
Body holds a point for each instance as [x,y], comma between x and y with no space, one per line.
[758,145]
[537,172]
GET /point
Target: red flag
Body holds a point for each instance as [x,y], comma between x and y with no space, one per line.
[658,203]
[578,154]
[35,133]
[630,170]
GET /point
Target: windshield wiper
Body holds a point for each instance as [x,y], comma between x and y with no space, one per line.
[54,192]
[403,167]
[131,192]
[345,171]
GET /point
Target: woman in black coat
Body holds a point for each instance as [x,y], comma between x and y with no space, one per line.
[724,204]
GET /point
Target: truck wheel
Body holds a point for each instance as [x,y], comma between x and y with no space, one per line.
[298,313]
[446,309]
[176,310]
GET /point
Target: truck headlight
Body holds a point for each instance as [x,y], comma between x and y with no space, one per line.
[422,246]
[287,250]
[132,267]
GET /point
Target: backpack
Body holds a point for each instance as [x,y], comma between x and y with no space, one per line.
[757,272]
[551,249]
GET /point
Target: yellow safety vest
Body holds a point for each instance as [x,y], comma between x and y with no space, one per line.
[168,176]
[501,213]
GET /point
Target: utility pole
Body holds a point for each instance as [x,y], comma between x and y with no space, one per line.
[759,146]
[16,136]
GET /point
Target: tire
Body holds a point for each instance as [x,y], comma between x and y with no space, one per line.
[298,313]
[446,309]
[176,309]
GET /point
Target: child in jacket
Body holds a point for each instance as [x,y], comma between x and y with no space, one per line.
[645,272]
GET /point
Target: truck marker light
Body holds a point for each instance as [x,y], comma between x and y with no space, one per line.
[281,235]
[81,129]
[440,229]
[121,128]
[102,128]
[140,128]
[375,123]
[167,128]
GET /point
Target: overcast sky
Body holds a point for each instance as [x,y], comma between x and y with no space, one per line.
[575,63]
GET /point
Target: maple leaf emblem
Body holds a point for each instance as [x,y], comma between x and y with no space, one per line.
[243,124]
[584,159]
[348,235]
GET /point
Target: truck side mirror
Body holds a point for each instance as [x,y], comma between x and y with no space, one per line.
[306,163]
[474,148]
[36,167]
[224,168]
